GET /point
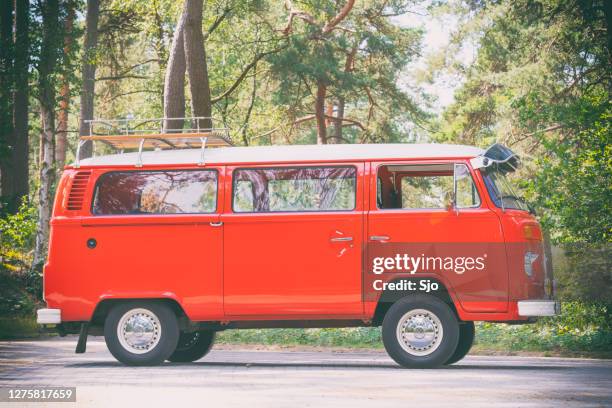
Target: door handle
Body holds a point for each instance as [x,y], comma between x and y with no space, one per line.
[216,224]
[379,238]
[341,239]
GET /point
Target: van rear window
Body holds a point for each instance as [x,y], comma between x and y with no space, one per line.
[292,189]
[156,192]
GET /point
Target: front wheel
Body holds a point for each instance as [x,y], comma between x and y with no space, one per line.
[192,346]
[420,331]
[141,333]
[467,333]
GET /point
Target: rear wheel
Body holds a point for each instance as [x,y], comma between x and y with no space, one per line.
[192,346]
[466,339]
[420,331]
[141,333]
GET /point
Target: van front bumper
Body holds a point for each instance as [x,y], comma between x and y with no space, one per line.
[529,308]
[48,316]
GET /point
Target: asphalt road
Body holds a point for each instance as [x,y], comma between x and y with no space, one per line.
[228,378]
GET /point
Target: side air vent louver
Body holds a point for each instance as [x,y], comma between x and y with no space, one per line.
[77,190]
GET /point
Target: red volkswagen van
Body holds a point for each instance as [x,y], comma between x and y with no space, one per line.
[159,250]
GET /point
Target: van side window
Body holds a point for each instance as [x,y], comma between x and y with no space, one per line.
[427,186]
[243,196]
[156,192]
[291,189]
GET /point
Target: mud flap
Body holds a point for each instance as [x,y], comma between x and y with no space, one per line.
[82,343]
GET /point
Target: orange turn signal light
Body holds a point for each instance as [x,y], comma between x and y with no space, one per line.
[532,232]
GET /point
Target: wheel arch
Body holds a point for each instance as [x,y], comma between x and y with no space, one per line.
[107,303]
[389,297]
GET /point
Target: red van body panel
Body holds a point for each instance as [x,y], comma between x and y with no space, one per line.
[270,266]
[288,264]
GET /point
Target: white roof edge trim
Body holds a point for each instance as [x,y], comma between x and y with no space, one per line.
[288,153]
[478,162]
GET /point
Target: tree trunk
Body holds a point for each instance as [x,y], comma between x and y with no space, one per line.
[245,126]
[20,114]
[47,178]
[195,57]
[320,113]
[338,121]
[62,124]
[89,73]
[64,96]
[160,45]
[329,113]
[348,68]
[329,118]
[51,44]
[607,8]
[7,83]
[174,83]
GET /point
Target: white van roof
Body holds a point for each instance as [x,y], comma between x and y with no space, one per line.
[289,153]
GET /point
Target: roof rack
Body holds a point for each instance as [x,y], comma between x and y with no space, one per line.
[125,134]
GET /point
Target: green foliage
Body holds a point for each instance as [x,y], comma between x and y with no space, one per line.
[19,289]
[18,229]
[578,316]
[19,294]
[582,328]
[359,64]
[584,272]
[541,83]
[574,185]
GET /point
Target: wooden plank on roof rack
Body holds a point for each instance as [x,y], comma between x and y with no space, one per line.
[163,140]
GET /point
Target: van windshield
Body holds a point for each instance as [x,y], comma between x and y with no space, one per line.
[501,191]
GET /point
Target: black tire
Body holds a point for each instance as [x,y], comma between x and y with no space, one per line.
[192,346]
[429,314]
[163,333]
[467,333]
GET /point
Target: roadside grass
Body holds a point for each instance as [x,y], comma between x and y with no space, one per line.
[12,328]
[352,337]
[543,338]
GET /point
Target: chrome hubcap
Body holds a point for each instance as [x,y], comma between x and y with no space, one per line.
[419,332]
[139,331]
